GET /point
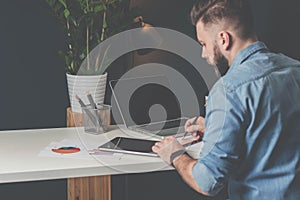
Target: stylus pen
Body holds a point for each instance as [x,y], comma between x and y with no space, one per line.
[193,123]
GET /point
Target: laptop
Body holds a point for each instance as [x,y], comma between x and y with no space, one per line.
[147,105]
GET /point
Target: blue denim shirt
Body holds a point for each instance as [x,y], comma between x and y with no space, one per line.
[252,137]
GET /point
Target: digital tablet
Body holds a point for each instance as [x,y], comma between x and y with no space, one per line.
[129,145]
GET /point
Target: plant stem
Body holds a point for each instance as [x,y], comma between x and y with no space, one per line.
[72,64]
[87,48]
[103,28]
[87,40]
[87,5]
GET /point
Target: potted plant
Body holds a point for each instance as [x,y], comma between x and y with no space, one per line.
[86,23]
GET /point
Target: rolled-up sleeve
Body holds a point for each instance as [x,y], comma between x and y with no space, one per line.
[223,139]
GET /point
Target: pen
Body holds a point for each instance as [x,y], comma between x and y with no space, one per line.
[91,100]
[93,104]
[88,112]
[80,101]
[192,142]
[193,123]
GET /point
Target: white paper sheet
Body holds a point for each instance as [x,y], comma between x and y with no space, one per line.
[86,151]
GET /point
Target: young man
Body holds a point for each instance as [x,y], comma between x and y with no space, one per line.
[252,124]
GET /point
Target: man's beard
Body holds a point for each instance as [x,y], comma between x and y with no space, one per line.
[220,61]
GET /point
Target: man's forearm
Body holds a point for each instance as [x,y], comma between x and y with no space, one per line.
[184,165]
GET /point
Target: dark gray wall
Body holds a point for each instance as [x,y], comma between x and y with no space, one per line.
[32,83]
[33,86]
[32,78]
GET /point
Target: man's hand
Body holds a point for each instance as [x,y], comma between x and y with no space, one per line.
[166,147]
[183,163]
[199,125]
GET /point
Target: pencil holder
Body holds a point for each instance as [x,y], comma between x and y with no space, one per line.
[96,120]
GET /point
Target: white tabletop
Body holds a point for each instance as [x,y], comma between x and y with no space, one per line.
[21,158]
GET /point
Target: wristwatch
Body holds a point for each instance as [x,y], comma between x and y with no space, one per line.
[175,155]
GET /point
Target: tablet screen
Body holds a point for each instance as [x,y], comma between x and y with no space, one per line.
[129,144]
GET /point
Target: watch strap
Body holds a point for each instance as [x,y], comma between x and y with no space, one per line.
[176,154]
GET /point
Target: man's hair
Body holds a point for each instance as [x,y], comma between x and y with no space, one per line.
[236,12]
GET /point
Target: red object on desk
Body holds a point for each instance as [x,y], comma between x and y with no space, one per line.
[65,150]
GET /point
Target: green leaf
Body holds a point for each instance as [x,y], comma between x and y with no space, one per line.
[111,1]
[63,3]
[99,8]
[82,56]
[76,15]
[66,13]
[73,21]
[57,8]
[104,24]
[51,2]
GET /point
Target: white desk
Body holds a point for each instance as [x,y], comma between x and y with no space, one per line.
[19,152]
[20,161]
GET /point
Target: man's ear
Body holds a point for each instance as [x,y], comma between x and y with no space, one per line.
[225,40]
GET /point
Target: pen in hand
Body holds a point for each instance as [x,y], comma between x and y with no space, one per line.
[193,123]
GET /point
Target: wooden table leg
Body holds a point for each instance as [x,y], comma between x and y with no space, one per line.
[87,188]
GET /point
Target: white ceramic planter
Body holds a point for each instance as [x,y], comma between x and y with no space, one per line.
[81,85]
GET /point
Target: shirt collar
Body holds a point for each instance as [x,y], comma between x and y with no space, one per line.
[246,52]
